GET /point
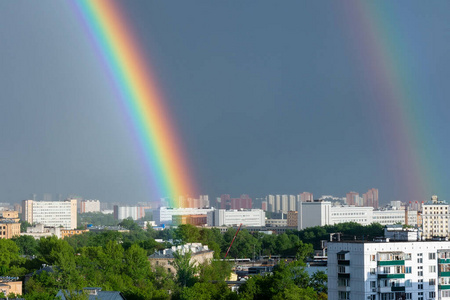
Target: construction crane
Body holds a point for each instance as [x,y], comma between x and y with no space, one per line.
[233,240]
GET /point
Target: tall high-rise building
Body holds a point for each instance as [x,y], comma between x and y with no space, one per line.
[51,213]
[87,206]
[125,212]
[352,198]
[270,203]
[306,197]
[371,198]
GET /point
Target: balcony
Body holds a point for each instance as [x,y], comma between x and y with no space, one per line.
[343,262]
[398,288]
[444,274]
[391,262]
[444,287]
[390,276]
[344,275]
[444,260]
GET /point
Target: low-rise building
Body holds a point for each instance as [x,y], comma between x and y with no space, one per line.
[164,258]
[164,215]
[276,222]
[10,285]
[9,224]
[40,230]
[71,232]
[196,220]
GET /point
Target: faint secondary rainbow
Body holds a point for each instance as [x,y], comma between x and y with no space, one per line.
[386,63]
[129,71]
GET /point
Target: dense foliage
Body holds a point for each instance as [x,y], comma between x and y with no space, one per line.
[119,261]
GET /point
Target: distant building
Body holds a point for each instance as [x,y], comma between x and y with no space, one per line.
[435,218]
[292,219]
[71,232]
[371,198]
[196,220]
[222,217]
[9,224]
[276,222]
[125,212]
[321,213]
[352,198]
[87,206]
[306,197]
[199,254]
[51,213]
[40,230]
[164,215]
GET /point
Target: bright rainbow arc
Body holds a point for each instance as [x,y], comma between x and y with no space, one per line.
[127,67]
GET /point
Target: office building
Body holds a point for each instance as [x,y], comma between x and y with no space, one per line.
[51,213]
[321,213]
[164,215]
[222,217]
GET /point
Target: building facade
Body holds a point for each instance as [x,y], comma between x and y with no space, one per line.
[9,224]
[87,206]
[164,215]
[389,270]
[435,217]
[51,213]
[125,212]
[222,217]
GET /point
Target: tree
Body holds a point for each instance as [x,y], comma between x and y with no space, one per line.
[185,268]
[27,245]
[130,224]
[24,225]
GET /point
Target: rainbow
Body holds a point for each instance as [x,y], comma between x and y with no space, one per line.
[138,91]
[385,62]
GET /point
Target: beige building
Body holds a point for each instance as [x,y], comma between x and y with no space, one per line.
[51,213]
[9,224]
[199,255]
[70,232]
[435,217]
[292,219]
[10,285]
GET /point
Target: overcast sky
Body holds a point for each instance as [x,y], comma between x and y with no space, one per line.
[269,97]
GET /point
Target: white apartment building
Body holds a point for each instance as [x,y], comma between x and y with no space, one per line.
[163,215]
[125,212]
[249,217]
[386,270]
[435,217]
[322,213]
[51,213]
[87,206]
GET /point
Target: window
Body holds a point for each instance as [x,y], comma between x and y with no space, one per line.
[420,285]
[341,269]
[344,295]
[387,296]
[432,281]
[420,273]
[432,269]
[431,255]
[408,296]
[373,284]
[372,271]
[419,254]
[420,260]
[372,257]
[408,283]
[408,270]
[386,270]
[343,282]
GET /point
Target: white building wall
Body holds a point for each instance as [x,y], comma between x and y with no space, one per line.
[163,215]
[222,217]
[55,213]
[91,205]
[418,272]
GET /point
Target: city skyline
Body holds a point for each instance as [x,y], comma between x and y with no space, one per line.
[267,98]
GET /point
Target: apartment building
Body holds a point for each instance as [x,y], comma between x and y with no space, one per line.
[435,217]
[51,213]
[389,270]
